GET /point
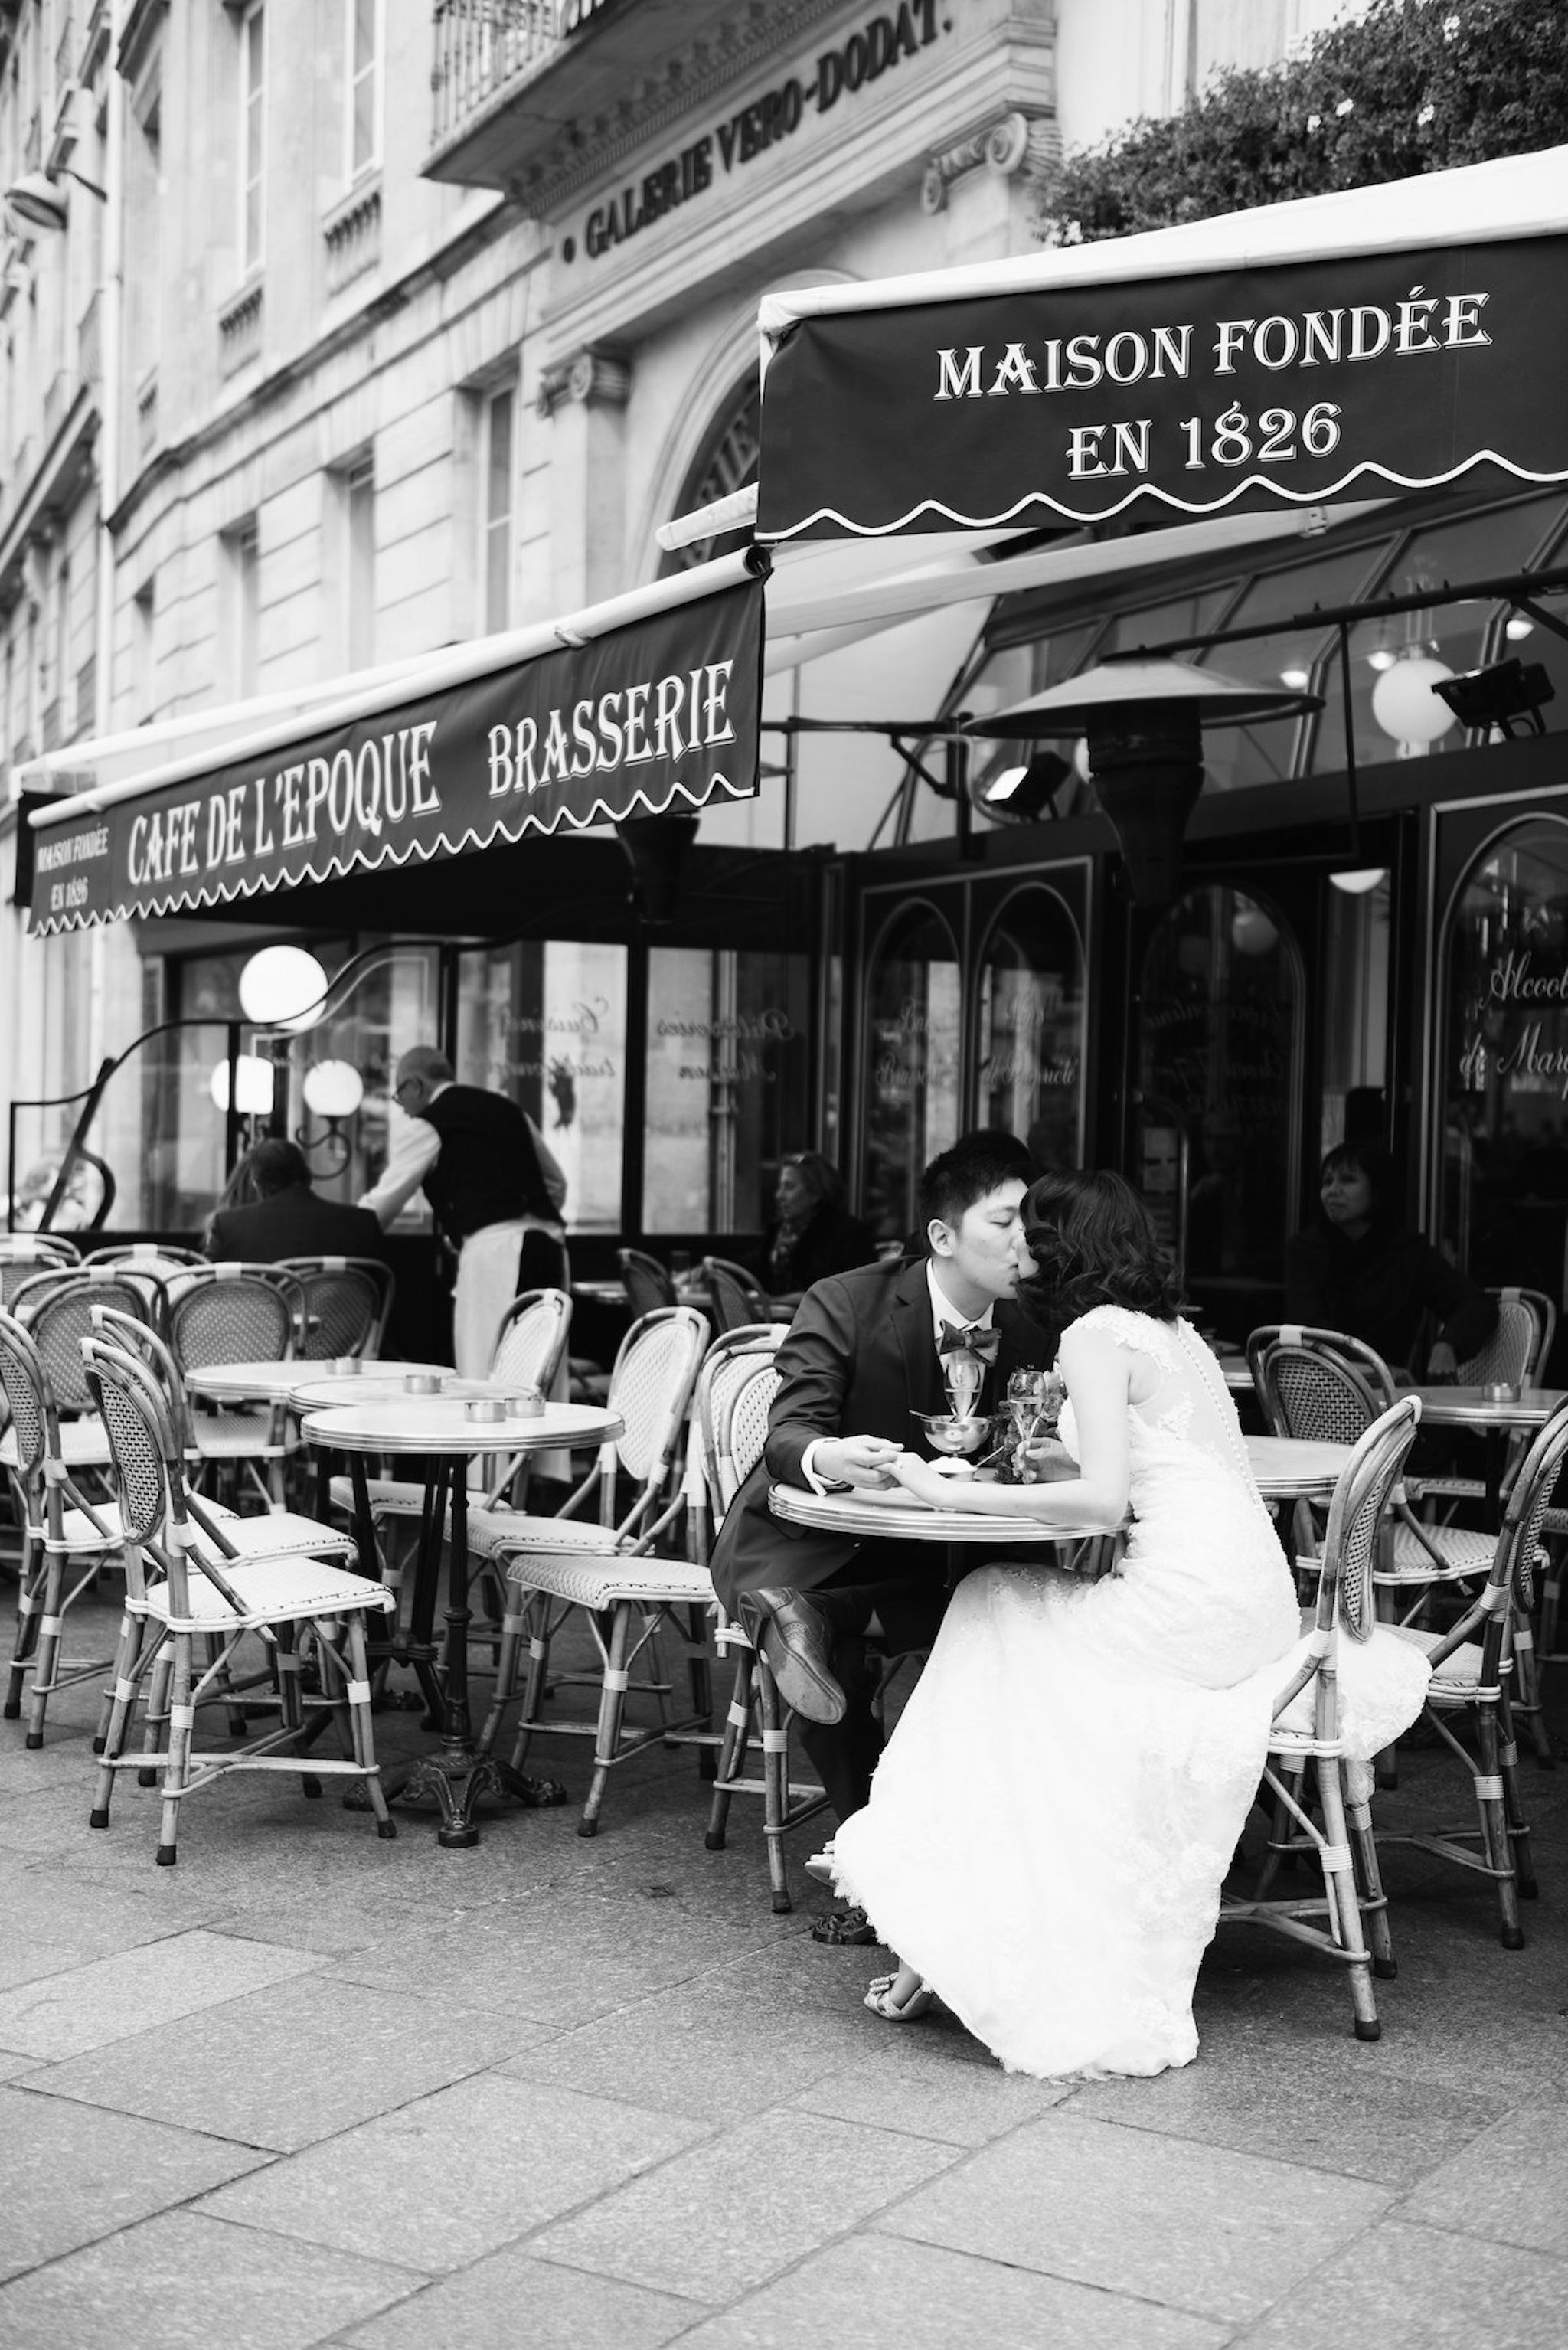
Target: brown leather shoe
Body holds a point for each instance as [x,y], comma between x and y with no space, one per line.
[796,1638]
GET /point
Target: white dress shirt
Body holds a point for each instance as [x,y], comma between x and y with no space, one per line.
[943,1311]
[416,1147]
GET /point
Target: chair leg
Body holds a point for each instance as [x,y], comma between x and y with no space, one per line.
[731,1750]
[1344,1911]
[125,1651]
[29,1607]
[155,1715]
[50,1626]
[1488,1787]
[537,1616]
[1513,1804]
[139,1648]
[612,1706]
[362,1728]
[1527,1673]
[513,1623]
[776,1783]
[1374,1900]
[177,1762]
[1282,1830]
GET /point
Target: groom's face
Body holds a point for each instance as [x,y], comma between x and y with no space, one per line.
[977,1256]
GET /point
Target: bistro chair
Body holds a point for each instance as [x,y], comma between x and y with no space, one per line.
[649,1284]
[1306,1733]
[186,1583]
[163,1256]
[24,1256]
[738,1301]
[1471,1669]
[238,1312]
[735,1396]
[346,1301]
[607,1569]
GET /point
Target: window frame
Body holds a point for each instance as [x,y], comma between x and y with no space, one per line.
[357,167]
[488,523]
[251,30]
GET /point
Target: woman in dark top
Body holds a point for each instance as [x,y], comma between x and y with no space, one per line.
[814,1234]
[1357,1269]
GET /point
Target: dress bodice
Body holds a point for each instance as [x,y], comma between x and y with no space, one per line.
[1188,1427]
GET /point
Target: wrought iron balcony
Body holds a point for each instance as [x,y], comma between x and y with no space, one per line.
[482,47]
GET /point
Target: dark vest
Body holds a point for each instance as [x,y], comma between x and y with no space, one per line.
[488,1171]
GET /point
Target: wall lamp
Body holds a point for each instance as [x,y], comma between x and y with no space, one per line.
[1022,795]
[1498,696]
[36,199]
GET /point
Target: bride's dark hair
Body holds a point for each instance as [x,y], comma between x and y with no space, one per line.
[1094,1243]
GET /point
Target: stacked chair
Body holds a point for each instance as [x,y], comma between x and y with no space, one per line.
[607,1570]
[344,1304]
[201,1585]
[239,1314]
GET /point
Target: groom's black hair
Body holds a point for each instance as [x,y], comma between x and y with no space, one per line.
[976,1166]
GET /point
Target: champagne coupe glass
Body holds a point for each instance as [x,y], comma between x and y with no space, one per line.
[963,1374]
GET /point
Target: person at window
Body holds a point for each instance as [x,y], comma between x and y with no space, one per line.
[815,1233]
[494,1189]
[865,1351]
[1047,1833]
[270,1211]
[1359,1269]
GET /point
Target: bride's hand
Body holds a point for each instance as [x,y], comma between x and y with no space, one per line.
[922,1482]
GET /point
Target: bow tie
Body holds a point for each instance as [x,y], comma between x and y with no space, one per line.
[969,1338]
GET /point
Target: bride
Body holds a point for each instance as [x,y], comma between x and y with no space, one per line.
[1050,1825]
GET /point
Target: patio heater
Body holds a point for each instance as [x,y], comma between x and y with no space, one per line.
[1143,720]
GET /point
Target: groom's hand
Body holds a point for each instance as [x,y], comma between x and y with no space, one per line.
[862,1460]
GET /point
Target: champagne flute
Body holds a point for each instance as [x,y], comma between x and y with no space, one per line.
[1026,1405]
[963,1373]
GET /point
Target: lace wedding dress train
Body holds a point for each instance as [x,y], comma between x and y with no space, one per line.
[1052,1821]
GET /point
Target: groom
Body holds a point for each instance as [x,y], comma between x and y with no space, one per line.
[865,1351]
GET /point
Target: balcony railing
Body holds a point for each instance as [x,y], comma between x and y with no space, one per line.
[480,45]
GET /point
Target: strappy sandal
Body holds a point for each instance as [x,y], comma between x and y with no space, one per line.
[880,1999]
[838,1926]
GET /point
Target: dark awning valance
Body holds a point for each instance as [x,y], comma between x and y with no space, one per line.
[1413,339]
[661,713]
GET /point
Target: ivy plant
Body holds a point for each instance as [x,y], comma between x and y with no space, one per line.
[1412,85]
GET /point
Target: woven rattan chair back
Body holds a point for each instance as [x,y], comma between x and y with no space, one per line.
[1317,1385]
[142,1452]
[1361,1499]
[735,1390]
[738,1302]
[236,1314]
[532,1339]
[24,1255]
[25,1385]
[1523,1520]
[160,1256]
[650,1388]
[156,1356]
[1514,1354]
[343,1295]
[58,1311]
[648,1284]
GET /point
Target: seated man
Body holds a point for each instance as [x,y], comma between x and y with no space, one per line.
[864,1353]
[275,1213]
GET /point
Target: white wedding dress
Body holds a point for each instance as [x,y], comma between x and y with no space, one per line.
[1050,1825]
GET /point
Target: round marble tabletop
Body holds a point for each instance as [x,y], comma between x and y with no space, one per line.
[275,1382]
[911,1521]
[440,1424]
[1294,1468]
[1456,1407]
[388,1383]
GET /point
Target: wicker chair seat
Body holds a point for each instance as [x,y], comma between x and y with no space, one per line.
[507,1534]
[281,1535]
[674,1581]
[83,1445]
[1295,1729]
[280,1590]
[81,1535]
[1457,1679]
[1463,1551]
[233,1435]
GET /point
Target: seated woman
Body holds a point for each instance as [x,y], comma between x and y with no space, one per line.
[814,1234]
[1050,1825]
[1357,1269]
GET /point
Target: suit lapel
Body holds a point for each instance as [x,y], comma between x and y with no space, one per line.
[912,1320]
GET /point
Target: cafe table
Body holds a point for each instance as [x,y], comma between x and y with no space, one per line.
[912,1521]
[1497,1413]
[446,1432]
[1295,1468]
[273,1381]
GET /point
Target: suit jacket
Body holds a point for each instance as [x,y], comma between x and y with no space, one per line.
[859,1360]
[293,1223]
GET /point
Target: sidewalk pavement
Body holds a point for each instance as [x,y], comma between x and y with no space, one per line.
[308,2087]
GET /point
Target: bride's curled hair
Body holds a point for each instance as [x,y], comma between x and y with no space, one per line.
[1094,1243]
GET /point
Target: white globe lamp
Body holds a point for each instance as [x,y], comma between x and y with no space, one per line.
[334,1089]
[253,1086]
[282,987]
[1404,704]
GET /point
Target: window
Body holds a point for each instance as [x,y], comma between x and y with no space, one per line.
[544,1023]
[726,1095]
[363,126]
[497,475]
[910,1077]
[359,500]
[253,137]
[241,552]
[143,668]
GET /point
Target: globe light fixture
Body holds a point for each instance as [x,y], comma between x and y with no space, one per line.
[283,987]
[1359,880]
[1404,701]
[334,1090]
[253,1086]
[35,199]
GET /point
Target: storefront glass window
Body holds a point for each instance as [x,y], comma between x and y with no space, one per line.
[1219,1029]
[1476,547]
[1504,1202]
[1356,1016]
[1030,1046]
[1011,673]
[544,1021]
[727,1068]
[911,1076]
[1238,755]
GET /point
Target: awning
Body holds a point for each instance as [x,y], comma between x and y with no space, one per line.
[642,705]
[1380,340]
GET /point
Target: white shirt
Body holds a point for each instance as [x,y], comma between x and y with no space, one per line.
[943,1311]
[416,1147]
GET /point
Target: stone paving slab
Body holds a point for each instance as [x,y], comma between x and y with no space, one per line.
[928,2084]
[738,2208]
[1196,2226]
[1407,2288]
[69,2174]
[1508,2184]
[512,2299]
[290,2065]
[136,1990]
[180,2281]
[451,2177]
[866,2294]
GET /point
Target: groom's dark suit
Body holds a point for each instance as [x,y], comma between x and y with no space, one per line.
[861,1356]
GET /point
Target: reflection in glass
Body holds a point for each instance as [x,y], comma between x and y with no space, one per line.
[1030,1036]
[1356,962]
[1238,755]
[912,1073]
[1504,1207]
[728,1062]
[1220,1041]
[544,1021]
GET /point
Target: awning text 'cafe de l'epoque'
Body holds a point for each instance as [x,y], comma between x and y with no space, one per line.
[1320,451]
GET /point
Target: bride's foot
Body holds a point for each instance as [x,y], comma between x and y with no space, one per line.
[900,1998]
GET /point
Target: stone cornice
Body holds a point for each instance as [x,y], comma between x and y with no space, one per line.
[1007,142]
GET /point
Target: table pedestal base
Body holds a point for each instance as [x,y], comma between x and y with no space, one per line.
[458,1779]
